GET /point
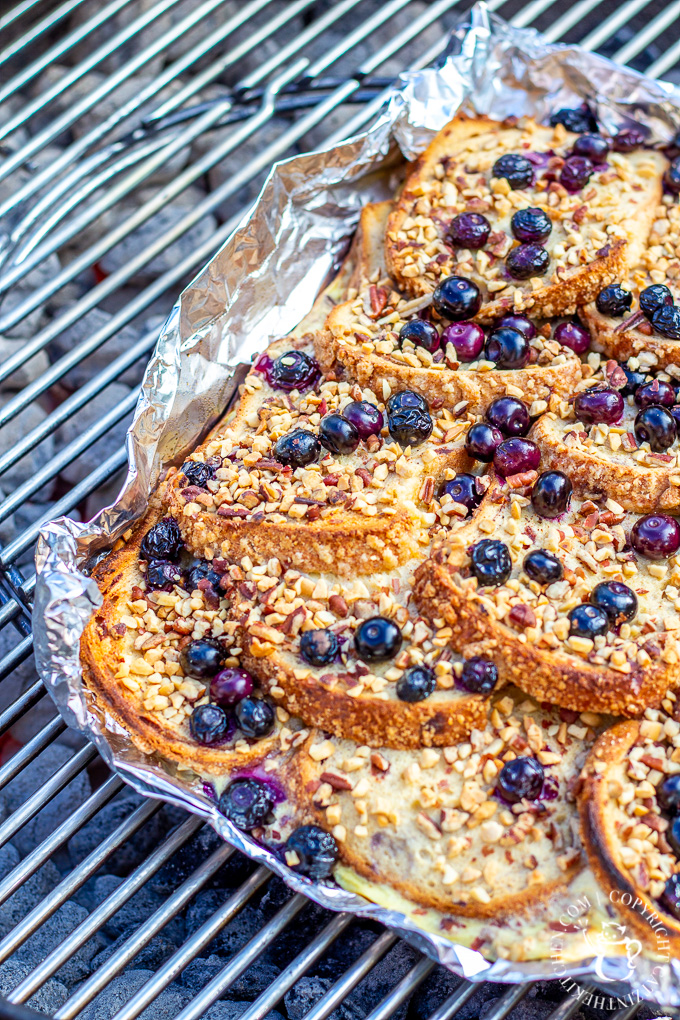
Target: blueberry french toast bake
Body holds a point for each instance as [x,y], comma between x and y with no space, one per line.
[412,609]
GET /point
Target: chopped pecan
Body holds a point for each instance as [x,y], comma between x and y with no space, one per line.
[337,781]
[337,605]
[522,616]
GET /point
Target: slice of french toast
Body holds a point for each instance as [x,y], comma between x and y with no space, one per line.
[527,627]
[599,216]
[454,828]
[628,807]
[361,343]
[607,461]
[301,636]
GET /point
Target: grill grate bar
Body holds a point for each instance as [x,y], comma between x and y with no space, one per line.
[352,976]
[507,1002]
[455,1001]
[38,29]
[657,25]
[402,990]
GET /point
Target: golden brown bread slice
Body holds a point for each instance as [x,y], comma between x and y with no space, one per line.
[625,830]
[431,824]
[606,461]
[130,658]
[347,696]
[525,629]
[361,343]
[597,231]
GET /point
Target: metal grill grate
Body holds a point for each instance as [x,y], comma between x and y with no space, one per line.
[133,136]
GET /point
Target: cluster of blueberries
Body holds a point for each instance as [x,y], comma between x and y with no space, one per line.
[657,305]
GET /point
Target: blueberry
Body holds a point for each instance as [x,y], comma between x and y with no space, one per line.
[366,418]
[517,170]
[255,717]
[410,427]
[294,370]
[601,405]
[469,230]
[656,426]
[162,542]
[507,347]
[520,323]
[633,381]
[416,684]
[527,260]
[655,392]
[421,333]
[463,489]
[572,335]
[520,779]
[490,562]
[161,575]
[377,639]
[208,724]
[479,675]
[543,567]
[456,298]
[405,400]
[617,600]
[666,320]
[197,473]
[668,794]
[482,440]
[551,494]
[587,621]
[673,836]
[515,456]
[614,300]
[593,146]
[671,178]
[654,297]
[510,415]
[338,435]
[576,173]
[670,897]
[201,570]
[580,120]
[230,686]
[656,536]
[467,339]
[318,647]
[628,139]
[532,224]
[201,658]
[246,803]
[316,851]
[297,448]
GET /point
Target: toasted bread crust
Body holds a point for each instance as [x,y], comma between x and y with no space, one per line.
[623,344]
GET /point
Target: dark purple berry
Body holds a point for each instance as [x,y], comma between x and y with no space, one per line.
[162,542]
[520,323]
[255,717]
[666,320]
[208,724]
[421,333]
[490,562]
[668,794]
[516,455]
[588,621]
[456,298]
[655,392]
[593,147]
[531,224]
[294,370]
[633,381]
[405,400]
[246,803]
[162,575]
[673,836]
[197,473]
[614,300]
[551,494]
[510,415]
[527,260]
[463,489]
[377,639]
[656,426]
[572,335]
[469,230]
[416,684]
[202,570]
[543,567]
[507,347]
[230,686]
[366,418]
[520,779]
[467,339]
[410,426]
[602,405]
[628,139]
[516,169]
[297,448]
[482,440]
[201,658]
[616,599]
[656,536]
[670,897]
[671,178]
[316,851]
[338,435]
[654,297]
[576,173]
[479,675]
[318,647]
[580,120]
